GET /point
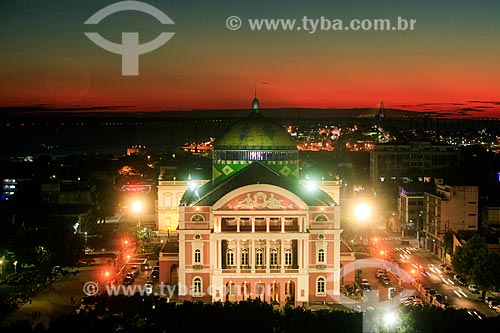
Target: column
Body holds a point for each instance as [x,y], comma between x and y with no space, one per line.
[253,223]
[282,220]
[268,256]
[219,250]
[267,224]
[238,254]
[300,254]
[282,256]
[251,256]
[238,225]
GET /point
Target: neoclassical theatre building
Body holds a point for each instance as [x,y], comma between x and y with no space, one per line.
[254,230]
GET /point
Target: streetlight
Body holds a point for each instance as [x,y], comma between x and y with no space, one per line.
[137,208]
[362,212]
[15,266]
[1,266]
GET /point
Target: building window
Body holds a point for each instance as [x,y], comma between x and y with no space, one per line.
[320,286]
[321,236]
[230,258]
[197,287]
[244,257]
[197,236]
[321,218]
[274,257]
[197,218]
[197,256]
[288,257]
[321,256]
[259,258]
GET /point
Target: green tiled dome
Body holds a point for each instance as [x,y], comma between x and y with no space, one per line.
[255,132]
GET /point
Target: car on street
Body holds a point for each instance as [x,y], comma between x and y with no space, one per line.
[460,279]
[365,285]
[473,289]
[386,280]
[379,272]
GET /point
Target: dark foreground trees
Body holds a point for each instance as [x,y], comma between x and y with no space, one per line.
[153,314]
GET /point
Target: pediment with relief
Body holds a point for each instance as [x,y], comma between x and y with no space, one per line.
[259,200]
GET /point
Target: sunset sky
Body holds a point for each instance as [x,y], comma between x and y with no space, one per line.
[450,63]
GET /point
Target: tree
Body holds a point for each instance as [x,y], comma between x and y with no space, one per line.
[448,242]
[470,260]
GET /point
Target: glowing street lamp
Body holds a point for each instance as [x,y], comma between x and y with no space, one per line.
[362,212]
[137,208]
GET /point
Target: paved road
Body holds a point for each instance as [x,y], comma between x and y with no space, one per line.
[425,266]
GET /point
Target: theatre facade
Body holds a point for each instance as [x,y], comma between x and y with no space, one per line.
[255,230]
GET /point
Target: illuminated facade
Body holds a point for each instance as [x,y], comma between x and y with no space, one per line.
[255,230]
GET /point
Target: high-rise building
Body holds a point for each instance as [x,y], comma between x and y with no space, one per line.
[396,163]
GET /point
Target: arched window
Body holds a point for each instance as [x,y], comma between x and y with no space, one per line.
[197,218]
[321,256]
[288,257]
[197,287]
[259,257]
[197,256]
[274,257]
[244,257]
[320,286]
[321,218]
[230,257]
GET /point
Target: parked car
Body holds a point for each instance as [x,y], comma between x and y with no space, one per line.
[448,270]
[473,289]
[488,299]
[493,304]
[365,285]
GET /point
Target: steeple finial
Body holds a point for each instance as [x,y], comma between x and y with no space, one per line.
[255,102]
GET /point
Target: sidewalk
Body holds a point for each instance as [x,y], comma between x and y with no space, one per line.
[51,303]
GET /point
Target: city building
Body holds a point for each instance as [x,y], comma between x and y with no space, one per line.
[391,164]
[254,230]
[449,208]
[411,209]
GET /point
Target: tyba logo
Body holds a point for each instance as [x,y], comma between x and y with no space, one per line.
[130,49]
